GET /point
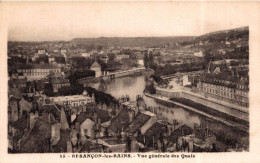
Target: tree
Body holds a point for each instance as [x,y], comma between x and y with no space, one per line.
[111,57]
[145,60]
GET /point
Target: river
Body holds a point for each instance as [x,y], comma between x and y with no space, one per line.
[135,85]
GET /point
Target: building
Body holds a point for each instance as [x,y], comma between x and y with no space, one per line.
[38,72]
[73,100]
[225,85]
[85,54]
[41,51]
[185,80]
[97,68]
[199,54]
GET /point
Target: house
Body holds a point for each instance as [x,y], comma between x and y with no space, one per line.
[154,133]
[141,123]
[97,68]
[186,80]
[85,54]
[87,127]
[84,125]
[41,51]
[199,54]
[120,122]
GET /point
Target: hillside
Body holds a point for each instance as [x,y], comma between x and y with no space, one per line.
[132,41]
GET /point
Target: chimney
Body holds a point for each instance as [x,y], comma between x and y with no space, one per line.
[131,116]
[77,127]
[182,132]
[99,121]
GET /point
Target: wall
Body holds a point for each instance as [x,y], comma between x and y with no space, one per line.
[87,124]
[165,93]
[217,106]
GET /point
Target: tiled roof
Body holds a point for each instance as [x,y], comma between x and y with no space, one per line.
[21,123]
[138,122]
[178,132]
[35,141]
[82,117]
[156,129]
[95,64]
[103,115]
[120,121]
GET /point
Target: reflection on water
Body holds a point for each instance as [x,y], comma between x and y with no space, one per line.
[133,86]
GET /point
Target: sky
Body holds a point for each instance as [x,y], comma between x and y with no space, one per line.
[50,21]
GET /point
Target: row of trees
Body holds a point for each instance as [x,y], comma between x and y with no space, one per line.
[148,60]
[172,69]
[78,74]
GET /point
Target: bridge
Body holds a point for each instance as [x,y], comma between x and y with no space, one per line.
[134,71]
[180,74]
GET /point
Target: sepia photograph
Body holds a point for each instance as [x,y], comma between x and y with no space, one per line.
[127,77]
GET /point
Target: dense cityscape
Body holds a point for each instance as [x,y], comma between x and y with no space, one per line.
[138,94]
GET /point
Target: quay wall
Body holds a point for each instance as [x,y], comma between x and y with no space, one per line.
[200,100]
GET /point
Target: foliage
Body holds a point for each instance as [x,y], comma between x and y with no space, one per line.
[60,59]
[82,62]
[42,58]
[78,74]
[150,89]
[48,89]
[73,89]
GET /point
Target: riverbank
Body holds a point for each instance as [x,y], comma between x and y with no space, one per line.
[232,124]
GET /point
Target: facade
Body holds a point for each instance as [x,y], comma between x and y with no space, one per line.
[235,93]
[225,84]
[73,100]
[38,72]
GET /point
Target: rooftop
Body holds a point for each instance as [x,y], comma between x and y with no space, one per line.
[95,64]
[138,122]
[156,129]
[120,121]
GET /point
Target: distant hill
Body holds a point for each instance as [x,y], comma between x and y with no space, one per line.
[132,41]
[227,31]
[223,35]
